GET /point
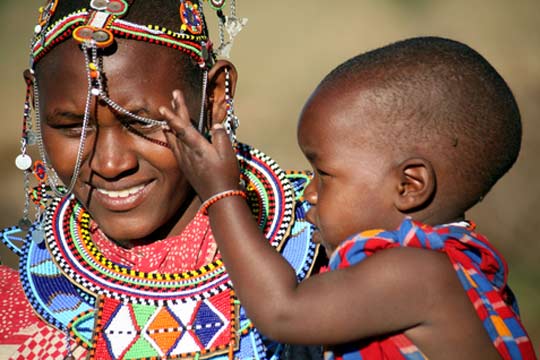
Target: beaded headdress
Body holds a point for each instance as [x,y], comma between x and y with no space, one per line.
[95,28]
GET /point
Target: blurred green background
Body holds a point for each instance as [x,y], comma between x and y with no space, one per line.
[286,49]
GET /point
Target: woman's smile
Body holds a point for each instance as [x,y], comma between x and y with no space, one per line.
[123,199]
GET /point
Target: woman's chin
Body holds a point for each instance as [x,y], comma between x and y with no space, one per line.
[128,235]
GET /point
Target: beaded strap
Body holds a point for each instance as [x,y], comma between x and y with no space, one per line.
[221,195]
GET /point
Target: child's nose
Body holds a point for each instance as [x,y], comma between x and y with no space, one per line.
[310,193]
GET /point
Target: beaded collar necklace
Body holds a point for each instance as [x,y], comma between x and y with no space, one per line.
[194,314]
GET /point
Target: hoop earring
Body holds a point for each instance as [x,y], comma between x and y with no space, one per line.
[231,121]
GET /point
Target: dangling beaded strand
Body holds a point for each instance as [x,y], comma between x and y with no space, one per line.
[24,161]
[203,101]
[52,176]
[86,118]
[231,122]
[69,352]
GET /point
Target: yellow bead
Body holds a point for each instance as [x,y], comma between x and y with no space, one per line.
[41,10]
[195,6]
[183,27]
[92,66]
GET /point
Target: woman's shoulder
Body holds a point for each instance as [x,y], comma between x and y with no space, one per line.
[16,314]
[9,281]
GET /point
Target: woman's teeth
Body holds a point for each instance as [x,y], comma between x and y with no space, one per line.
[121,193]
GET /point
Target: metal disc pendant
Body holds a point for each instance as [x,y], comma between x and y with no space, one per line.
[38,236]
[23,162]
[31,138]
[99,4]
[100,36]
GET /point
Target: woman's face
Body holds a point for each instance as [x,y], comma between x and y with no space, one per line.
[131,185]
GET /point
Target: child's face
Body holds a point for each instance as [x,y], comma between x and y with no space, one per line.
[353,183]
[131,186]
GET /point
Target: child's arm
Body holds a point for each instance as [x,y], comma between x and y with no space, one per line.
[376,297]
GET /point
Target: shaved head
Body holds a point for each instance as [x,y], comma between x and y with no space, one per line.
[440,99]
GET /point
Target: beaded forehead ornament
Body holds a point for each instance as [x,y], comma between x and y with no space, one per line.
[95,28]
[102,22]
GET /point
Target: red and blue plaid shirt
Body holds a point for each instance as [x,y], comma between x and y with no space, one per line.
[480,268]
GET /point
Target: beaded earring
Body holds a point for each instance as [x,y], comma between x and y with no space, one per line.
[200,126]
[231,121]
[23,161]
[38,195]
[51,178]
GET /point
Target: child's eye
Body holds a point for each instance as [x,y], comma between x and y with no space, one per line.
[321,172]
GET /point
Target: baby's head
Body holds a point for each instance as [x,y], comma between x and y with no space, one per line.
[423,127]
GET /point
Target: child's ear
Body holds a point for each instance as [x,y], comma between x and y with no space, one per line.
[417,185]
[216,104]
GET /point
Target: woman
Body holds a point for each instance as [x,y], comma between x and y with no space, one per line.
[119,262]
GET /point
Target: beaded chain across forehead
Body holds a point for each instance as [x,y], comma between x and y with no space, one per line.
[95,28]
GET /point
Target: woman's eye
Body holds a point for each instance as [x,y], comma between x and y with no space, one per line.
[72,130]
[142,126]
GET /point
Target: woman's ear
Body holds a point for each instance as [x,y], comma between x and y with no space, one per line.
[217,105]
[29,79]
[417,185]
[28,76]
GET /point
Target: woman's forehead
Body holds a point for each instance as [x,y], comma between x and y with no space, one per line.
[134,71]
[129,58]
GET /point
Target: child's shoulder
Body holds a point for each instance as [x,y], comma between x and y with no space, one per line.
[417,290]
[413,271]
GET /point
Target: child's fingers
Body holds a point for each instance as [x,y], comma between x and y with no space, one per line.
[185,140]
[174,122]
[220,140]
[178,118]
[172,140]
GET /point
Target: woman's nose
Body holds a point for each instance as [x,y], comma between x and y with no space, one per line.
[112,155]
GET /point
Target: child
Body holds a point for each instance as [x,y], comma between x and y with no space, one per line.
[406,139]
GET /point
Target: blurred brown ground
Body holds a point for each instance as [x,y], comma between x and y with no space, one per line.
[289,46]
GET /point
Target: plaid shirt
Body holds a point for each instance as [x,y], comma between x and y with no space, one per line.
[480,268]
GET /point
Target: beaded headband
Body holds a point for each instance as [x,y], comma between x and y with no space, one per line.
[96,28]
[102,22]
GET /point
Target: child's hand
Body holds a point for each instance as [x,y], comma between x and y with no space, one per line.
[210,167]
